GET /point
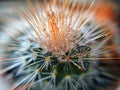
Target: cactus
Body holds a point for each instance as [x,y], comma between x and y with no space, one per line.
[62,48]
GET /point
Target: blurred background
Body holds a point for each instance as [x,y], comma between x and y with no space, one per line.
[8,8]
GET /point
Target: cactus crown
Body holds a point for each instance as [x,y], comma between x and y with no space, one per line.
[59,55]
